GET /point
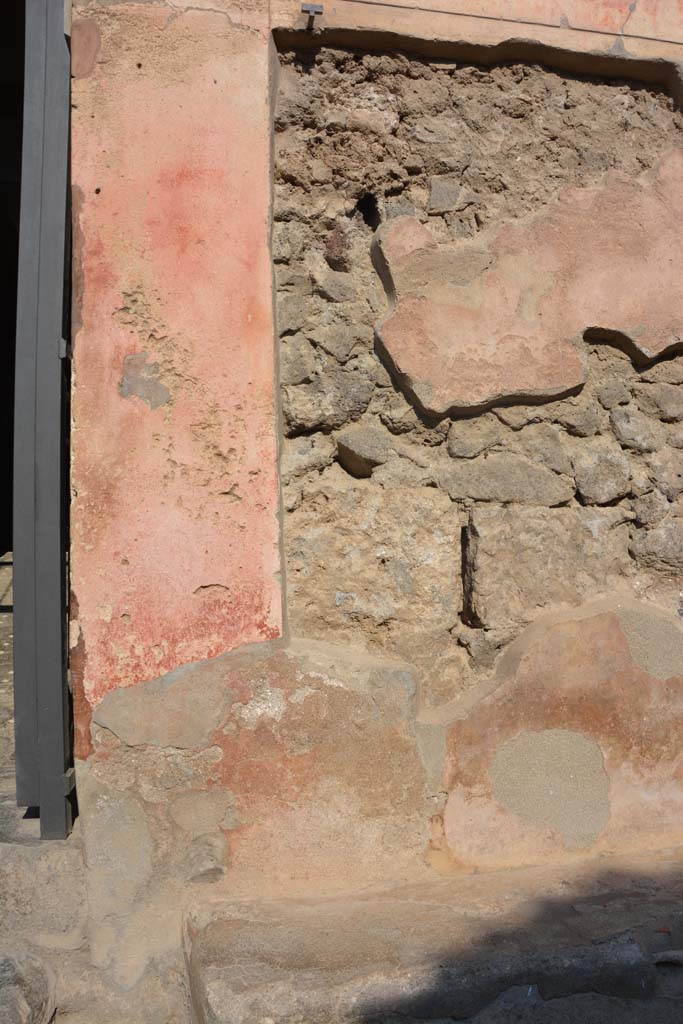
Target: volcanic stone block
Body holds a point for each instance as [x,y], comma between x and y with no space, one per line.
[377,563]
[524,560]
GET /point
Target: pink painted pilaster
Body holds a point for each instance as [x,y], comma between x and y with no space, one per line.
[174,533]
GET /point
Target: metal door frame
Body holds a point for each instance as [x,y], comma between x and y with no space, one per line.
[43,727]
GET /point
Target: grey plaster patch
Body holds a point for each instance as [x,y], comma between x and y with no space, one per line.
[554,779]
[181,709]
[141,379]
[655,641]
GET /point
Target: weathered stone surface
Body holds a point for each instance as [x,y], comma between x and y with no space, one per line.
[378,563]
[361,448]
[118,846]
[577,744]
[660,548]
[297,360]
[337,248]
[333,397]
[308,776]
[500,319]
[666,472]
[417,953]
[650,508]
[182,709]
[301,455]
[525,1005]
[469,438]
[523,561]
[445,194]
[341,340]
[401,472]
[335,286]
[27,991]
[544,443]
[491,323]
[505,478]
[635,430]
[580,416]
[602,471]
[613,393]
[665,401]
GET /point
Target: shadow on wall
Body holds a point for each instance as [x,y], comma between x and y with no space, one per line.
[552,968]
[534,945]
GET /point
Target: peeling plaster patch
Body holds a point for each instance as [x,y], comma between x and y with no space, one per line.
[180,709]
[268,702]
[554,779]
[654,640]
[141,379]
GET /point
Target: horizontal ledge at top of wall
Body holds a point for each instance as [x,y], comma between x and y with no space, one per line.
[661,70]
[488,27]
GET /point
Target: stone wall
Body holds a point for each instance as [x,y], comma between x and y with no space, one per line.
[479,316]
[455,529]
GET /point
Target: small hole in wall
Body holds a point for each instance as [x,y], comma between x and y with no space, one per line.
[97,191]
[139,65]
[369,210]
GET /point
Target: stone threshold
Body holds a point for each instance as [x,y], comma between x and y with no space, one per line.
[600,941]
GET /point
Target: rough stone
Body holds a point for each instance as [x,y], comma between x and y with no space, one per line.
[333,398]
[341,340]
[575,744]
[525,1005]
[373,562]
[666,472]
[418,953]
[27,991]
[337,249]
[297,360]
[542,442]
[361,448]
[505,478]
[660,548]
[401,472]
[469,438]
[200,812]
[675,437]
[635,430]
[181,709]
[665,401]
[301,455]
[335,286]
[445,194]
[523,561]
[603,473]
[650,508]
[118,846]
[613,393]
[579,416]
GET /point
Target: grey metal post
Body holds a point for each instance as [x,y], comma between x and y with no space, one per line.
[41,697]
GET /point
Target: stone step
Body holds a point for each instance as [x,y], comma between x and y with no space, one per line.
[537,945]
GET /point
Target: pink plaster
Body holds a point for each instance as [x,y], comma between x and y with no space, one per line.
[174,520]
